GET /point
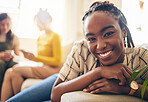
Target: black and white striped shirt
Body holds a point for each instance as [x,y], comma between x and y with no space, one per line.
[81,61]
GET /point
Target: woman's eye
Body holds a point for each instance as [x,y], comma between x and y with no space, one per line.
[91,39]
[109,33]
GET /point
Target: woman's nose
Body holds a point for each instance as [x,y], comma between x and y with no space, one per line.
[101,45]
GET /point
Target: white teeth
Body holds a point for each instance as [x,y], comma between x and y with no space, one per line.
[105,54]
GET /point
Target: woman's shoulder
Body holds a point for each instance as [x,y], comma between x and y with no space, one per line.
[136,50]
[15,40]
[54,33]
[15,36]
[81,47]
[81,42]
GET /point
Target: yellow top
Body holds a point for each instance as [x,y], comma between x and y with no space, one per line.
[49,49]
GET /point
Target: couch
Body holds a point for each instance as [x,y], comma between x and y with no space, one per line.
[80,96]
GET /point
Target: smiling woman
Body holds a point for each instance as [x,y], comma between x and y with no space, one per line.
[103,62]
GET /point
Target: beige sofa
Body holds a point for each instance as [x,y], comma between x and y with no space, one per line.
[29,82]
[80,96]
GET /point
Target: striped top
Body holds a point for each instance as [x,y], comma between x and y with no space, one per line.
[81,61]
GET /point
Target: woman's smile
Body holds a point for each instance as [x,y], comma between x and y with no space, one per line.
[105,55]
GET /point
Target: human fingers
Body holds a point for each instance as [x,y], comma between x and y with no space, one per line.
[24,53]
[98,90]
[95,85]
[6,58]
[121,77]
[110,85]
[126,74]
[97,81]
[128,69]
[22,50]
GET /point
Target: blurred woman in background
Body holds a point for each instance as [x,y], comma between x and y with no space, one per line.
[8,42]
[49,53]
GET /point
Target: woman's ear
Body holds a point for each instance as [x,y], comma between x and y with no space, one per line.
[124,32]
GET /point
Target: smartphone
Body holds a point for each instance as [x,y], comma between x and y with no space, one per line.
[22,50]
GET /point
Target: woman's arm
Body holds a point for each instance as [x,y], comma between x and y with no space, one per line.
[16,49]
[78,83]
[138,92]
[117,71]
[16,45]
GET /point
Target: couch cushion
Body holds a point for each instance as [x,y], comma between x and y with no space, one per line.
[80,96]
[29,82]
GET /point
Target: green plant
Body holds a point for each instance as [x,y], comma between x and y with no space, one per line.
[133,76]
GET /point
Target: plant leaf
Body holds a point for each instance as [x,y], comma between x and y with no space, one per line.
[144,88]
[135,73]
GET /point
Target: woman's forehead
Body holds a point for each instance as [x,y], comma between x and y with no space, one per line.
[102,14]
[100,19]
[6,20]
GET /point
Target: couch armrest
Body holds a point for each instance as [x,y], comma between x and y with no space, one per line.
[80,96]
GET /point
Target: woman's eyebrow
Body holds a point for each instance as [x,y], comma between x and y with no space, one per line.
[107,28]
[92,34]
[89,34]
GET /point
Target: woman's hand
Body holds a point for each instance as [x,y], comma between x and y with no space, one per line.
[107,85]
[6,56]
[117,71]
[28,55]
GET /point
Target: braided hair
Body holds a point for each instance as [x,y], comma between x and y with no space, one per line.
[9,35]
[105,6]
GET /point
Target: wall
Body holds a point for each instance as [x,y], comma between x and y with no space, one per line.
[28,44]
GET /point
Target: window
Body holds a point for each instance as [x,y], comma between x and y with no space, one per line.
[11,7]
[22,13]
[28,9]
[137,19]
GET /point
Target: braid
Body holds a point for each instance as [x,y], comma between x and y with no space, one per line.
[110,8]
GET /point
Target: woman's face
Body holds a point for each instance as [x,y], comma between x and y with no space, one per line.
[43,26]
[5,26]
[40,26]
[104,37]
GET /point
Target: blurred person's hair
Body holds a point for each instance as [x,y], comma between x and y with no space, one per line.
[43,17]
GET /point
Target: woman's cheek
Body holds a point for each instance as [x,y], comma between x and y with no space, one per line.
[92,48]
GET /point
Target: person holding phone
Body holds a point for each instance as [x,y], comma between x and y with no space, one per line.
[48,52]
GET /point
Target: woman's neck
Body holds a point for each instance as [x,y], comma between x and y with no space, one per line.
[2,37]
[47,31]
